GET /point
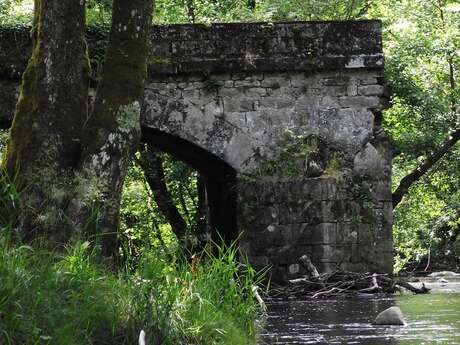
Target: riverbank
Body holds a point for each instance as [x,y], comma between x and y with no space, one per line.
[72,298]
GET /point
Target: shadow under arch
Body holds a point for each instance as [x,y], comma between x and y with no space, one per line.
[219,178]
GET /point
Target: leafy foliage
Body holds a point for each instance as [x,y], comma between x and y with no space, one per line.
[422,42]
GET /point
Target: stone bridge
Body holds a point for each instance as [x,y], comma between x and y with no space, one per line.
[283,120]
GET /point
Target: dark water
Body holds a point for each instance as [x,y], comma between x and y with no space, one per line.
[431,319]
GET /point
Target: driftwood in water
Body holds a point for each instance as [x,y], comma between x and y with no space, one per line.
[341,282]
[306,262]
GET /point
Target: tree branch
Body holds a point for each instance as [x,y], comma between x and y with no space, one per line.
[423,168]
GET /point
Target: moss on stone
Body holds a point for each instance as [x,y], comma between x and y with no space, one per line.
[334,166]
[160,61]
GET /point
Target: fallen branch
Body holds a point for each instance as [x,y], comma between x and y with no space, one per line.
[375,286]
[340,282]
[328,292]
[408,286]
[306,262]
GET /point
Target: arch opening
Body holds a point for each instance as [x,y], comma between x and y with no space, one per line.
[218,177]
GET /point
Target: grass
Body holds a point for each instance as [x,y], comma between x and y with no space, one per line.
[71,298]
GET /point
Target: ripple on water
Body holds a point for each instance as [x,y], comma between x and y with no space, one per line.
[431,319]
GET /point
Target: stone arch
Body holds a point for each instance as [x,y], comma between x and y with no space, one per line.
[290,112]
[219,178]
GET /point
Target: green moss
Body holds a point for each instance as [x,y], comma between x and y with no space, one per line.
[289,162]
[160,61]
[334,166]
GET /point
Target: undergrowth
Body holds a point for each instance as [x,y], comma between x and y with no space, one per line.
[71,298]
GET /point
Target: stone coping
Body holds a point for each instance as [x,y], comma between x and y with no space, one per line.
[231,47]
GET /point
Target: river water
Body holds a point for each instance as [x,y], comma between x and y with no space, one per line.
[432,318]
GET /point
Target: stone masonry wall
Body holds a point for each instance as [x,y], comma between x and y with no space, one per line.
[313,164]
[294,109]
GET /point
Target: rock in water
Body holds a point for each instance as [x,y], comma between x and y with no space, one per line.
[390,316]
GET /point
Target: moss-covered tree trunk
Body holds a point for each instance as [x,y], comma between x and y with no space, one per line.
[70,165]
[112,132]
[44,144]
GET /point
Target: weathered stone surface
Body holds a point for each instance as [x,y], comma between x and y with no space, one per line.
[266,47]
[289,110]
[368,162]
[390,316]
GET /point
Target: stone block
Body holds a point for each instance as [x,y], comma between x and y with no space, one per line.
[336,80]
[368,79]
[220,77]
[369,163]
[383,221]
[371,90]
[331,253]
[244,247]
[272,235]
[313,189]
[275,81]
[194,85]
[381,190]
[301,82]
[272,102]
[306,212]
[229,92]
[370,102]
[255,93]
[326,267]
[288,234]
[347,233]
[249,83]
[284,254]
[262,216]
[376,260]
[329,211]
[336,90]
[238,104]
[352,211]
[284,91]
[352,90]
[294,269]
[324,233]
[259,261]
[385,246]
[366,234]
[354,267]
[258,192]
[329,101]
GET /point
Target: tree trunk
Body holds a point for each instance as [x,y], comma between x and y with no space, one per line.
[154,174]
[252,4]
[44,143]
[190,11]
[69,166]
[201,220]
[423,168]
[112,132]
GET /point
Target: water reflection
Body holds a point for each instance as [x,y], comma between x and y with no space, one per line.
[431,319]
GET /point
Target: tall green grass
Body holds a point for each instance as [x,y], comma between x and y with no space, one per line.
[71,298]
